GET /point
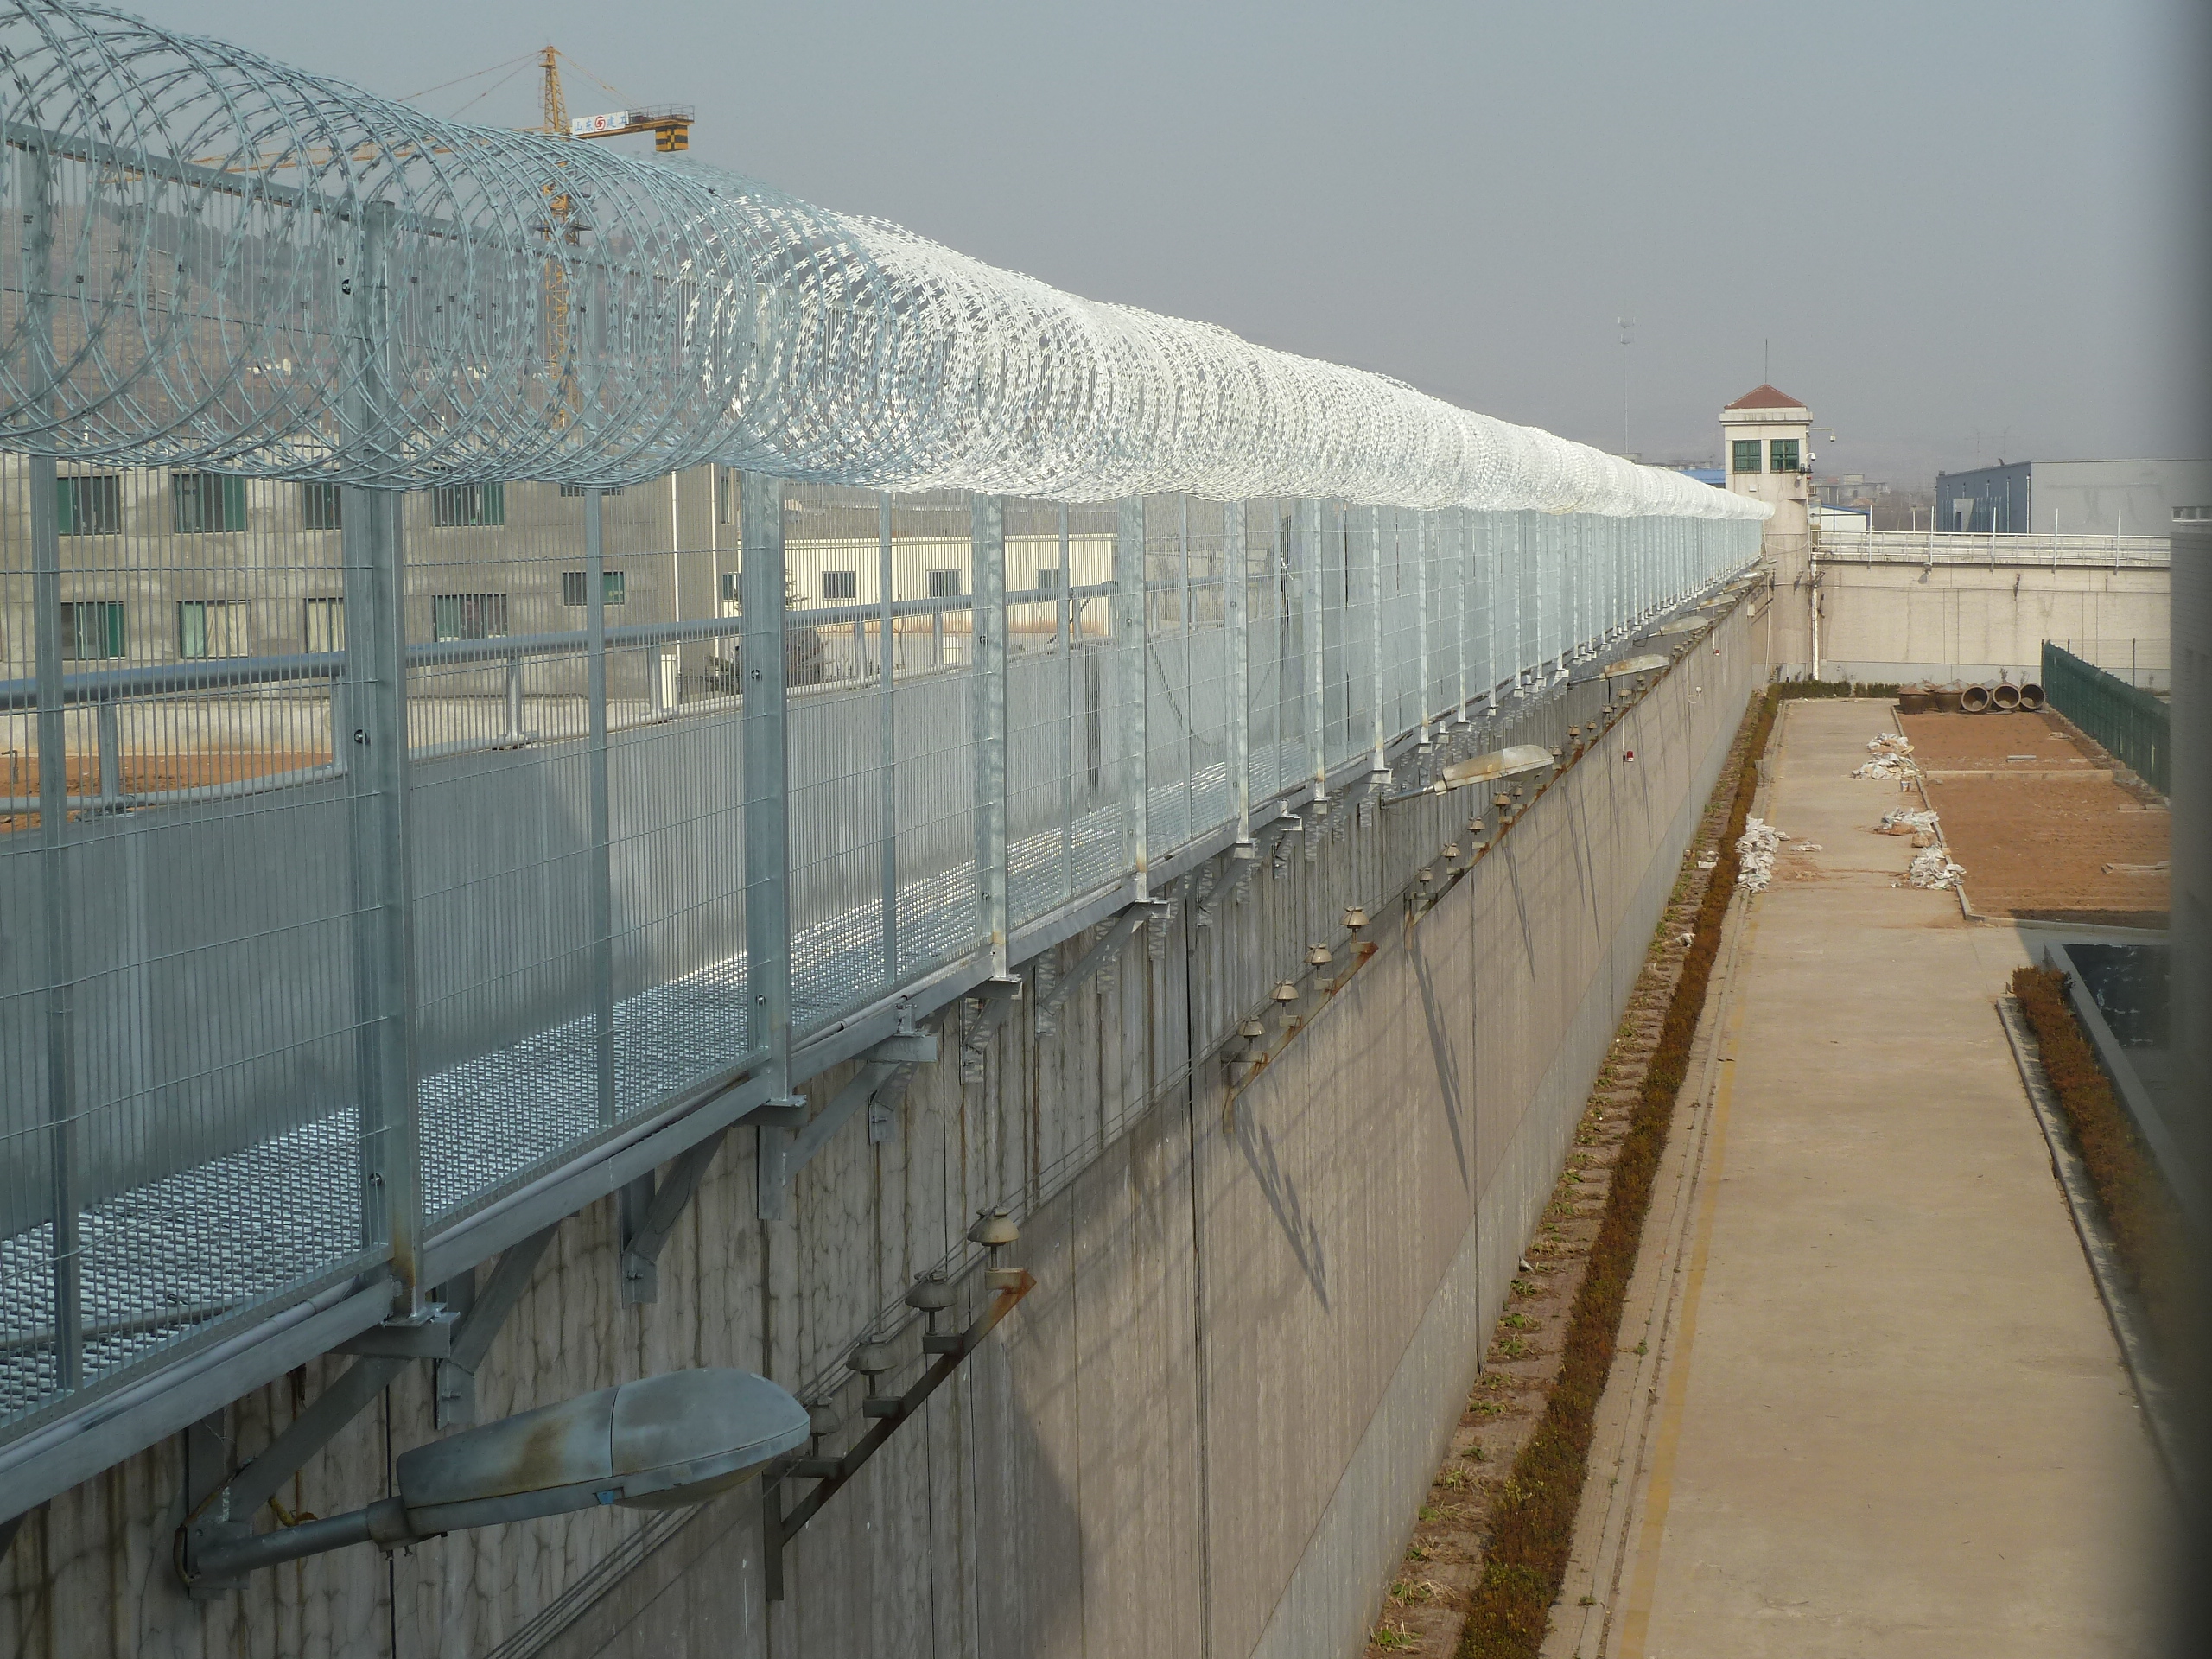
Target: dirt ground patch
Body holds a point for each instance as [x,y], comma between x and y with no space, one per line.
[2036,845]
[1974,742]
[2043,847]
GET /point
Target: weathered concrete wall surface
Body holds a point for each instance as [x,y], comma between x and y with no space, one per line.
[1887,621]
[1205,1431]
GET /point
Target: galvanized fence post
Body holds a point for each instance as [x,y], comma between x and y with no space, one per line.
[1306,544]
[1234,612]
[887,759]
[987,702]
[1129,625]
[35,177]
[1421,623]
[380,836]
[600,876]
[1065,619]
[767,897]
[1378,678]
[1463,581]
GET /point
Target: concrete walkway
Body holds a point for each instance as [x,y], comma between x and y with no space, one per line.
[1892,1419]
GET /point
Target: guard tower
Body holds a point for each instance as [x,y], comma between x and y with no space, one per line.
[1766,445]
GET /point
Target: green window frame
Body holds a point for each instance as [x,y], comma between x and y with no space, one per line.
[320,507]
[466,507]
[469,616]
[1782,455]
[92,629]
[614,584]
[1746,455]
[210,627]
[208,504]
[88,504]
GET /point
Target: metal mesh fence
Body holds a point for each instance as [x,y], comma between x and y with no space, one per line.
[222,911]
[422,755]
[2129,721]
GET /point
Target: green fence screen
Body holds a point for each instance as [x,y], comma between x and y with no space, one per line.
[2129,720]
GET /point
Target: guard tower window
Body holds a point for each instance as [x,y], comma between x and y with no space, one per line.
[840,584]
[1746,455]
[1782,455]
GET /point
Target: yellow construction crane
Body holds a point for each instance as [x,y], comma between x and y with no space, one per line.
[671,125]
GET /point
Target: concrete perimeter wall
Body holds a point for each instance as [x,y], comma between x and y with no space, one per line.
[1206,1432]
[1896,621]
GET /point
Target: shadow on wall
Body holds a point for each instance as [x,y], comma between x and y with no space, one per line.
[1300,1232]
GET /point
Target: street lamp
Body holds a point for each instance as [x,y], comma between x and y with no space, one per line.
[657,1444]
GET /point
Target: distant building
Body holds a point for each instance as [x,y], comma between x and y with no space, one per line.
[1850,490]
[1836,524]
[2075,498]
[1716,476]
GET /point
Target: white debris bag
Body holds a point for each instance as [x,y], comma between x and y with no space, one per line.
[1932,868]
[1755,851]
[1892,753]
[1898,821]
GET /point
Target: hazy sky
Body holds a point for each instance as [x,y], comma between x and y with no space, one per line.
[1961,225]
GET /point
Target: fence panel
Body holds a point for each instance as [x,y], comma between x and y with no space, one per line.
[2129,720]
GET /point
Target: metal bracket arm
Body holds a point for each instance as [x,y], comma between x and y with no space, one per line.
[1012,1285]
[641,1250]
[1110,944]
[786,1148]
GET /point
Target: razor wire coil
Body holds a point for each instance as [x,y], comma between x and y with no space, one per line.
[214,260]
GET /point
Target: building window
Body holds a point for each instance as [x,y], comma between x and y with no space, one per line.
[326,624]
[460,506]
[614,584]
[731,592]
[1782,455]
[725,494]
[91,629]
[840,584]
[578,489]
[210,627]
[1746,455]
[945,584]
[2192,515]
[207,502]
[319,507]
[88,504]
[1048,578]
[469,616]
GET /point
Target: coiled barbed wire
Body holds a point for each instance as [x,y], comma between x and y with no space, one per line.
[214,260]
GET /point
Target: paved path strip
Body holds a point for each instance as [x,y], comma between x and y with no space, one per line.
[1890,1416]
